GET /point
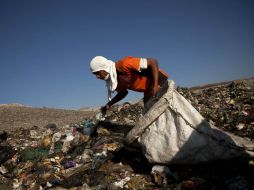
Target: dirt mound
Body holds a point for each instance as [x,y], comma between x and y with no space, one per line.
[15,117]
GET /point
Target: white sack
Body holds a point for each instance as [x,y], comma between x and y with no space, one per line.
[173,131]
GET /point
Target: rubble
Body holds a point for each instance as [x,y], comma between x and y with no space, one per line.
[91,154]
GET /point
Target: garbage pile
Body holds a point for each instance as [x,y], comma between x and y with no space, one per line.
[125,114]
[70,156]
[229,107]
[92,155]
[86,155]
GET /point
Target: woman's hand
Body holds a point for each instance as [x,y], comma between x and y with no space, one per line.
[104,109]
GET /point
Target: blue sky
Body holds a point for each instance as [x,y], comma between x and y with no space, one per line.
[46,45]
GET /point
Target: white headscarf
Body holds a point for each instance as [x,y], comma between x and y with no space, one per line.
[99,63]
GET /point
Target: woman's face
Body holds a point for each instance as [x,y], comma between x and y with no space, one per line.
[103,75]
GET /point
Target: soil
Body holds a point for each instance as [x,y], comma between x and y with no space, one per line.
[15,117]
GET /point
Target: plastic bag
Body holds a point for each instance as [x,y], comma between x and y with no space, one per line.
[173,131]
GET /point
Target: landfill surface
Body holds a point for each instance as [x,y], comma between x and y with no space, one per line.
[91,154]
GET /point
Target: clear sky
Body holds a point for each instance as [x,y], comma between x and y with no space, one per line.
[46,45]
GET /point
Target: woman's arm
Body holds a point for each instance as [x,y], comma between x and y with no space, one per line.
[118,97]
[153,68]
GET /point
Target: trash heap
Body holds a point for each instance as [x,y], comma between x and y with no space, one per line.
[229,107]
[92,155]
[86,155]
[125,114]
[50,157]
